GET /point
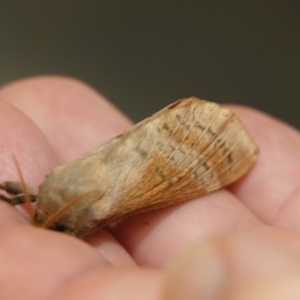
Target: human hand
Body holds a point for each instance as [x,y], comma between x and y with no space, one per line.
[239,243]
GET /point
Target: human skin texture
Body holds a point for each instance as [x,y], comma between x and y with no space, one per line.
[238,243]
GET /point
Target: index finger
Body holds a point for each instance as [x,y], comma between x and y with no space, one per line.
[73,116]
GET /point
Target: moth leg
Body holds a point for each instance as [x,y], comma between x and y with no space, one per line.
[15,188]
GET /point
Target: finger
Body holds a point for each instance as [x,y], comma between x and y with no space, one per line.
[156,237]
[114,284]
[257,265]
[39,262]
[109,248]
[73,116]
[271,189]
[21,138]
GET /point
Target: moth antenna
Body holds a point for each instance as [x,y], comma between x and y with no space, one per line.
[61,211]
[25,191]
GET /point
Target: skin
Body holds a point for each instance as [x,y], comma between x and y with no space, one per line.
[238,243]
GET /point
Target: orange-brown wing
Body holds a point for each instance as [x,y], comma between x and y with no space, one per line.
[189,149]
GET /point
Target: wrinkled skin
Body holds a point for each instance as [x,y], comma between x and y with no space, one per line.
[239,243]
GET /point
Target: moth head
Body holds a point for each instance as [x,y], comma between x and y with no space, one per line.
[58,225]
[68,197]
[46,221]
[73,218]
[64,209]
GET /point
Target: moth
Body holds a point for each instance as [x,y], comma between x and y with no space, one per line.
[187,150]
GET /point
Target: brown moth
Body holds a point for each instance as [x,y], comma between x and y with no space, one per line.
[186,150]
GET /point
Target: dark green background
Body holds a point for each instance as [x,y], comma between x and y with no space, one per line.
[143,55]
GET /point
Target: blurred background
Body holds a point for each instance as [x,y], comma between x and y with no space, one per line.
[143,55]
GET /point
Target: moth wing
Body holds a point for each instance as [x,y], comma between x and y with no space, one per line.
[188,149]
